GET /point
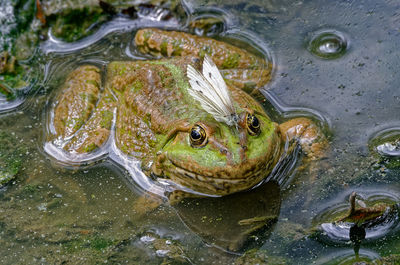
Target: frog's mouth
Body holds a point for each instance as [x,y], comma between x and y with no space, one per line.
[237,167]
[220,180]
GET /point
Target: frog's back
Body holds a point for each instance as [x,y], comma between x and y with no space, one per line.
[155,87]
[152,96]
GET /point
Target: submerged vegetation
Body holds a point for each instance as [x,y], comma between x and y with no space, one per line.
[12,154]
[25,23]
[18,40]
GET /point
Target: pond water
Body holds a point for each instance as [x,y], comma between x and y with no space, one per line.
[334,61]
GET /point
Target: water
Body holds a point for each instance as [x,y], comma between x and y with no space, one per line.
[328,44]
[334,61]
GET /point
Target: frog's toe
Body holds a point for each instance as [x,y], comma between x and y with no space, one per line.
[249,80]
[312,140]
[178,196]
[77,100]
[83,114]
[146,204]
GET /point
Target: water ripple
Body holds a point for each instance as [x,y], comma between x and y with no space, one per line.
[120,24]
[328,44]
[337,232]
[386,142]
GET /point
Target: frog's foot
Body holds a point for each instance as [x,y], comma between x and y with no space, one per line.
[146,204]
[178,196]
[239,67]
[149,202]
[82,116]
[309,135]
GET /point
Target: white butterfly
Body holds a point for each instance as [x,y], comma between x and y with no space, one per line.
[211,91]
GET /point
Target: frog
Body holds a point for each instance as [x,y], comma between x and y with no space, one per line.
[143,110]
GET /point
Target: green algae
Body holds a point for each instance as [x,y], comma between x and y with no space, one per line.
[255,256]
[18,40]
[96,243]
[72,25]
[11,157]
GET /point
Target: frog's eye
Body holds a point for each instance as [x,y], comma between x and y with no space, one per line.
[253,125]
[198,136]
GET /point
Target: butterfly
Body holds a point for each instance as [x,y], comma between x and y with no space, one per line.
[210,90]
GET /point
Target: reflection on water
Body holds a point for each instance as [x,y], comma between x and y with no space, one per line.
[246,213]
[86,215]
[374,217]
[357,235]
[347,257]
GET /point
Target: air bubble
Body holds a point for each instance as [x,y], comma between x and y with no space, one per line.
[328,44]
[386,142]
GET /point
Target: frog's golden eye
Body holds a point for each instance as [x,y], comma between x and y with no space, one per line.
[253,125]
[198,136]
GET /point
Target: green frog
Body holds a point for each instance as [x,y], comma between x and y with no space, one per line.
[144,108]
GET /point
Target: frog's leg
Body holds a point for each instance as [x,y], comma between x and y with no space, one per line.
[314,146]
[82,116]
[147,203]
[96,130]
[239,67]
[311,139]
[176,196]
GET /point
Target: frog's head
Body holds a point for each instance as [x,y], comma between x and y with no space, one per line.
[230,145]
[213,158]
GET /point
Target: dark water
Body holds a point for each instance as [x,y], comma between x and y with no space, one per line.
[334,61]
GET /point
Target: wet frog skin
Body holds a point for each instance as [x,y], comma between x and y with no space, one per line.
[145,108]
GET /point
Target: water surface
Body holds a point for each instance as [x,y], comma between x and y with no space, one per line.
[334,61]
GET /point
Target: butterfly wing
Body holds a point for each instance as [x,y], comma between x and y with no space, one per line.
[209,88]
[214,77]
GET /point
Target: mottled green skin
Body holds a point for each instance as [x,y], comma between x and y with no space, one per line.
[154,114]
